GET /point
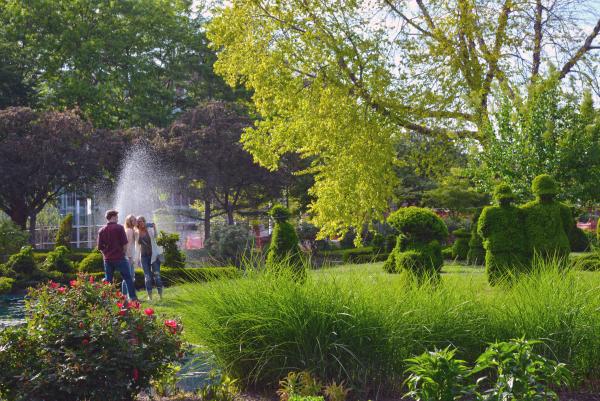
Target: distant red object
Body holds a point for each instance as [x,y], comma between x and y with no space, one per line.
[589,225]
[194,241]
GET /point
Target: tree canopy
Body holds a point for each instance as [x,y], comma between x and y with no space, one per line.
[340,81]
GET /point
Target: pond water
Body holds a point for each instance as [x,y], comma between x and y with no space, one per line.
[12,310]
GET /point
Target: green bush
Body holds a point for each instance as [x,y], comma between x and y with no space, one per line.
[22,264]
[6,285]
[378,243]
[578,240]
[172,255]
[85,342]
[504,238]
[12,238]
[476,254]
[447,253]
[421,232]
[58,260]
[588,262]
[347,241]
[229,244]
[460,248]
[63,236]
[547,221]
[363,255]
[75,255]
[284,242]
[92,263]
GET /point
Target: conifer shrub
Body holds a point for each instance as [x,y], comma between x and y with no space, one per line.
[547,221]
[63,236]
[504,239]
[92,263]
[476,254]
[421,232]
[173,257]
[460,248]
[284,242]
[58,261]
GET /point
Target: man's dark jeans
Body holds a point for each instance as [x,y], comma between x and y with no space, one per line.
[123,267]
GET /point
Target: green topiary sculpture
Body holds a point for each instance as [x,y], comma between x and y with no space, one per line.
[504,240]
[63,237]
[58,261]
[284,243]
[547,221]
[418,248]
[460,248]
[92,263]
[476,254]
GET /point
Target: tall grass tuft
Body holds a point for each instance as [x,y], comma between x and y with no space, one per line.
[360,327]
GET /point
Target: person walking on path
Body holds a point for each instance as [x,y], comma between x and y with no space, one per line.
[130,224]
[147,255]
[112,243]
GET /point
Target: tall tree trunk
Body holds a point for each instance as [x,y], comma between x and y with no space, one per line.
[32,223]
[230,215]
[537,41]
[18,214]
[207,218]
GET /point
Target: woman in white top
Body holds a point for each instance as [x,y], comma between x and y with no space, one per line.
[147,255]
[130,223]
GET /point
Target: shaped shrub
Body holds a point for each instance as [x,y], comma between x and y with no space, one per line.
[547,221]
[85,342]
[504,239]
[63,236]
[6,285]
[22,264]
[418,248]
[58,261]
[476,254]
[460,248]
[173,257]
[92,263]
[284,242]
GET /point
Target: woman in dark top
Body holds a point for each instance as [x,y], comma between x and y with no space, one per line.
[147,255]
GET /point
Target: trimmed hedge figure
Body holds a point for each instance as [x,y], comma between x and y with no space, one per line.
[476,254]
[284,242]
[504,240]
[460,248]
[63,236]
[547,221]
[418,248]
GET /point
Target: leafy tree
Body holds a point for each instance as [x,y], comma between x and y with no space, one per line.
[456,194]
[204,142]
[123,63]
[44,153]
[326,86]
[548,134]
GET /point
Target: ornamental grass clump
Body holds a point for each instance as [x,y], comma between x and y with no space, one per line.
[85,341]
[418,250]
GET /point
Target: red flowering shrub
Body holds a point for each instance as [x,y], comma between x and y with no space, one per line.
[85,342]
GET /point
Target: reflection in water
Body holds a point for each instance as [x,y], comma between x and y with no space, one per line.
[12,310]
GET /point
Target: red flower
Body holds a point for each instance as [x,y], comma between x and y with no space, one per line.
[91,279]
[171,323]
[133,304]
[81,325]
[53,284]
[120,305]
[122,312]
[73,283]
[85,341]
[119,294]
[105,281]
[61,290]
[149,312]
[136,374]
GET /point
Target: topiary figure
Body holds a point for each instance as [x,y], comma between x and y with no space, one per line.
[418,248]
[58,261]
[504,239]
[460,248]
[63,236]
[92,263]
[284,242]
[173,257]
[476,254]
[547,221]
[21,264]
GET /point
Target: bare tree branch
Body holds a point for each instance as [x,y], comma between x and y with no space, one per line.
[581,52]
[408,20]
[537,41]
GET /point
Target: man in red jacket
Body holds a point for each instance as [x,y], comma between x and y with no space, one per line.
[112,242]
